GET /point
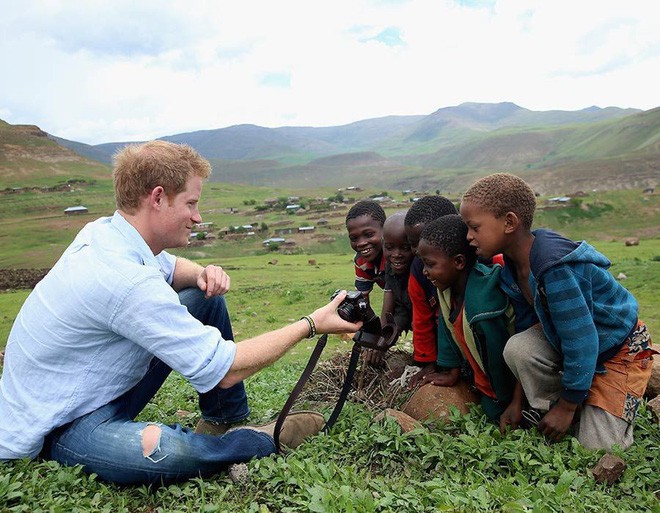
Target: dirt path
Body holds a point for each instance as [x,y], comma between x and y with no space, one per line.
[12,279]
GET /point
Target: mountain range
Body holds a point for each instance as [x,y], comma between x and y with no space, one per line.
[556,151]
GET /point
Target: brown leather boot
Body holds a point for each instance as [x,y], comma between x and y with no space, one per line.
[296,427]
[207,427]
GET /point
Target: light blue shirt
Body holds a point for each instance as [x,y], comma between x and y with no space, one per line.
[87,332]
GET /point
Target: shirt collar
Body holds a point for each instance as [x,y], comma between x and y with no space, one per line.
[129,232]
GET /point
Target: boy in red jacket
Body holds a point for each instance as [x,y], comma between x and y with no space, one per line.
[423,294]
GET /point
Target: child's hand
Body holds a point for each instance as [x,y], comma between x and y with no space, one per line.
[417,378]
[556,423]
[511,416]
[374,357]
[442,378]
[438,378]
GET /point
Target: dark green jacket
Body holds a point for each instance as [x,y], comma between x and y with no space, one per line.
[488,323]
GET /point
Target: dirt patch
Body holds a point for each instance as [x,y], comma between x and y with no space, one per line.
[13,279]
[375,388]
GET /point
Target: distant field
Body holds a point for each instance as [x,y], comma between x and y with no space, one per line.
[34,232]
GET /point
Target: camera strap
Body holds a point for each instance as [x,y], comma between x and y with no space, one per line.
[361,339]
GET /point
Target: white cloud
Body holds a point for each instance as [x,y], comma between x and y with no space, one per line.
[97,71]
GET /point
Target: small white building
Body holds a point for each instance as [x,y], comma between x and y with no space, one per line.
[204,227]
[71,211]
[273,240]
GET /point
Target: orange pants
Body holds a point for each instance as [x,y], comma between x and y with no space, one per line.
[619,391]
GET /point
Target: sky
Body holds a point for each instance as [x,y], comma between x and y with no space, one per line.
[131,70]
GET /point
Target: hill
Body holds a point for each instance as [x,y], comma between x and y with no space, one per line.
[447,149]
[29,158]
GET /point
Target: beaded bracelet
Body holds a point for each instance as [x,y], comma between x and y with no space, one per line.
[312,326]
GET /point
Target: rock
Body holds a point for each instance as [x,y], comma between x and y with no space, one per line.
[621,276]
[238,473]
[653,388]
[632,241]
[654,406]
[432,401]
[405,421]
[608,469]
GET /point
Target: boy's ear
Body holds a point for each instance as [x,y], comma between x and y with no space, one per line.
[460,262]
[511,222]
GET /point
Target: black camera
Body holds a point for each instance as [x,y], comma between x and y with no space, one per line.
[355,307]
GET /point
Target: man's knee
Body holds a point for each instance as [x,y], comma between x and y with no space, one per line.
[151,442]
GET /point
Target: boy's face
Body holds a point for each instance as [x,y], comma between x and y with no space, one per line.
[441,270]
[412,234]
[486,233]
[366,236]
[396,249]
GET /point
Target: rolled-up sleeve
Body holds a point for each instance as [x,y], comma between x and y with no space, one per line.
[151,316]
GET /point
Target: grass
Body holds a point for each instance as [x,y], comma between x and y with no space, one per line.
[360,466]
[465,465]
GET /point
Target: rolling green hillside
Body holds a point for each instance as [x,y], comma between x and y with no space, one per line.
[557,151]
[614,153]
[29,158]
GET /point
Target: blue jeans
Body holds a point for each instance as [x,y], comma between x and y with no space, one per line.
[110,444]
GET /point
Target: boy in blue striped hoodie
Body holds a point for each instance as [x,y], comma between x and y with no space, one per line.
[588,358]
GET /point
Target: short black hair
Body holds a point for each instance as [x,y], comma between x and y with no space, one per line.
[500,193]
[428,208]
[449,233]
[367,208]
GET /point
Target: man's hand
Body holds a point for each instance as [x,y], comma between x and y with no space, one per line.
[214,281]
[327,320]
[556,423]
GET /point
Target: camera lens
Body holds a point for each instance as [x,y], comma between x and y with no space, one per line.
[346,312]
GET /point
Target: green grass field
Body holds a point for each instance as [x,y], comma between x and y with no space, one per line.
[465,465]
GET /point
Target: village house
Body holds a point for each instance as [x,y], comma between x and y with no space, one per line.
[71,211]
[559,199]
[273,240]
[204,227]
